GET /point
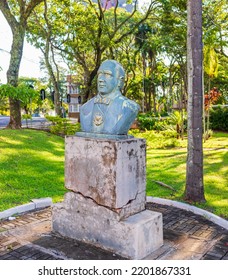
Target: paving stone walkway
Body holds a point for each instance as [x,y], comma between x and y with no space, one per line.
[186,236]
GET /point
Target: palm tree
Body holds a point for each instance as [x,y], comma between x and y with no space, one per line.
[194,190]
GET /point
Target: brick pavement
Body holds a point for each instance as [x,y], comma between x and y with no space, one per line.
[186,236]
[189,236]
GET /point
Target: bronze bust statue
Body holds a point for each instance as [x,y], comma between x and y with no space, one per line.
[109,114]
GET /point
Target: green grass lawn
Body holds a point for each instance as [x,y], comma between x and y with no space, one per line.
[166,162]
[32,166]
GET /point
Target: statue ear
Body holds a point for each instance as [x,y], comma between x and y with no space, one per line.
[121,83]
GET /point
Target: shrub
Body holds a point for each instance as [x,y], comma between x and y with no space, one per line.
[161,124]
[26,117]
[151,121]
[146,121]
[174,125]
[219,118]
[62,126]
[157,140]
[170,133]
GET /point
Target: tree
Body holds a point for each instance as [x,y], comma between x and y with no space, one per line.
[4,105]
[146,42]
[23,93]
[211,69]
[33,101]
[42,28]
[92,34]
[194,190]
[215,43]
[173,27]
[16,14]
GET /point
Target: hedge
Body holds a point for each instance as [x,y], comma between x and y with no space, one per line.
[219,118]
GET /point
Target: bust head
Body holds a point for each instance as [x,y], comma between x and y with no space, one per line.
[110,77]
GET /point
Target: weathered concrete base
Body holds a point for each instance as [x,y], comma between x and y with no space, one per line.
[83,219]
[111,172]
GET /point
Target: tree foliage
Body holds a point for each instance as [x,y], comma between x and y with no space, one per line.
[22,92]
[91,34]
[17,14]
[151,45]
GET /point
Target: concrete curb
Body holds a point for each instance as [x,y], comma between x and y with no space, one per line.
[210,216]
[45,202]
[33,205]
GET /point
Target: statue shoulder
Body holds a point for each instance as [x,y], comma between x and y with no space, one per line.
[130,104]
[87,107]
[88,103]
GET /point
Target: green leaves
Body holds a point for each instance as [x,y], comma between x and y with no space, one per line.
[210,61]
[21,92]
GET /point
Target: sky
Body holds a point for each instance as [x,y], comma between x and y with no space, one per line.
[31,56]
[30,64]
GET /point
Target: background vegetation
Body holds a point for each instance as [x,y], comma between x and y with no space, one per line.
[150,43]
[166,162]
[219,118]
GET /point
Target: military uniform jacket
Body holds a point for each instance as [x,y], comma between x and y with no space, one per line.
[112,114]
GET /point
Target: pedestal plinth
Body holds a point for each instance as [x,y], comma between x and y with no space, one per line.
[106,202]
[82,219]
[110,172]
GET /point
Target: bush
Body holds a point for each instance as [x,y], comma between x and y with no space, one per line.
[174,125]
[26,117]
[157,140]
[146,121]
[151,121]
[170,133]
[161,124]
[4,106]
[219,118]
[62,126]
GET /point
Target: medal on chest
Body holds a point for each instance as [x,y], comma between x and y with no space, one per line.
[98,119]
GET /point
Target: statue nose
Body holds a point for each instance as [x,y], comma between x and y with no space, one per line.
[101,78]
[101,81]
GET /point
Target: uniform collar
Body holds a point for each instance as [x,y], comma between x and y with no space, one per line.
[106,99]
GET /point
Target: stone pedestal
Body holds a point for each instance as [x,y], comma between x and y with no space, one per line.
[134,237]
[106,202]
[110,172]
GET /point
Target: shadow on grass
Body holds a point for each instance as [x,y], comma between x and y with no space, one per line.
[167,166]
[171,169]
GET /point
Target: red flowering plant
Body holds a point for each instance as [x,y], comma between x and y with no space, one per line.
[211,98]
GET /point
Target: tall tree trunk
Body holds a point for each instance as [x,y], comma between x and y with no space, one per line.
[182,109]
[154,98]
[194,178]
[171,88]
[144,86]
[89,82]
[46,53]
[184,76]
[12,75]
[208,110]
[18,24]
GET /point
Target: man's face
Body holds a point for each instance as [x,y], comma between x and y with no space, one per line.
[107,80]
